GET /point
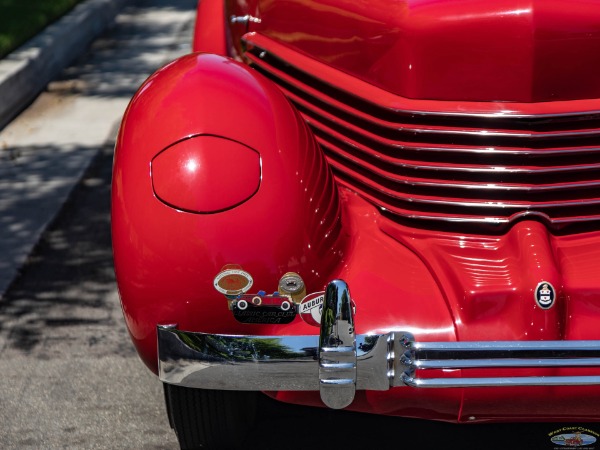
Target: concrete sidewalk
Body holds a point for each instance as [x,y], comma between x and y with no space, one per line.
[25,72]
[46,149]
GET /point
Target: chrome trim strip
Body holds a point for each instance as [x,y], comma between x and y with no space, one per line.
[244,20]
[400,127]
[382,199]
[480,205]
[384,161]
[492,186]
[327,134]
[497,354]
[470,346]
[504,362]
[499,382]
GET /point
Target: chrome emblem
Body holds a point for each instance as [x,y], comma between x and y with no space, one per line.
[545,295]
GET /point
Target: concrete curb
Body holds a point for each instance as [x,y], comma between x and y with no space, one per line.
[25,72]
[45,152]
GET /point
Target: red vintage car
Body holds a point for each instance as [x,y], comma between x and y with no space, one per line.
[428,171]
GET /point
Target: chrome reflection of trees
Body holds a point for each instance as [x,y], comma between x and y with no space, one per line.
[239,348]
[368,343]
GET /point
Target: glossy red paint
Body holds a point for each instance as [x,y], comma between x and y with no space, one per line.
[206,174]
[291,224]
[490,281]
[444,162]
[543,404]
[470,50]
[481,288]
[210,32]
[496,59]
[390,100]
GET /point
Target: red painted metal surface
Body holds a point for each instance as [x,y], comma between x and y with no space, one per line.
[493,78]
[206,174]
[166,259]
[444,164]
[474,50]
[210,33]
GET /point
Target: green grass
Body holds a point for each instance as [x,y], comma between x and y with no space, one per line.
[20,20]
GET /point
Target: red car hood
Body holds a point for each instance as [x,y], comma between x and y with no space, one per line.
[469,50]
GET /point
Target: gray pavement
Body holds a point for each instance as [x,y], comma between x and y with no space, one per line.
[46,149]
[70,376]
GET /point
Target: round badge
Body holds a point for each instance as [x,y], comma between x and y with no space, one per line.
[233,282]
[311,307]
[545,295]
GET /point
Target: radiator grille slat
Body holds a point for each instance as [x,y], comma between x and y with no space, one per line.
[434,169]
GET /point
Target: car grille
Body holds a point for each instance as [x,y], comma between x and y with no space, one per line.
[459,172]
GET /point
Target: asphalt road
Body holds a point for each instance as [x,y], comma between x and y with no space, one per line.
[70,377]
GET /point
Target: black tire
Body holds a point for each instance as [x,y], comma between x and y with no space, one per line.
[210,420]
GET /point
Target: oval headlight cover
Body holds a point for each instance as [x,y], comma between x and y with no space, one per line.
[206,174]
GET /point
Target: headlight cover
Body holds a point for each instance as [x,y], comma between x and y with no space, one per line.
[206,174]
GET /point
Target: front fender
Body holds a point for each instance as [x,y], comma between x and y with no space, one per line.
[263,196]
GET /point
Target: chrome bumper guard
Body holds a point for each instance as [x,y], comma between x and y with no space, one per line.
[337,362]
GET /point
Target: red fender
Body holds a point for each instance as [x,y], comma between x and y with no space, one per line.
[213,166]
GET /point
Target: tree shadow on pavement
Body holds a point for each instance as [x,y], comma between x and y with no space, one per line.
[67,290]
[119,62]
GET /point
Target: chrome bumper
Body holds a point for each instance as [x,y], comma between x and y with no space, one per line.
[337,362]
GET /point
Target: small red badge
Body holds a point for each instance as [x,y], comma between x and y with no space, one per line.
[311,307]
